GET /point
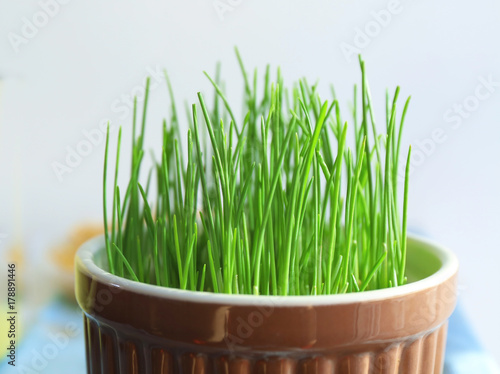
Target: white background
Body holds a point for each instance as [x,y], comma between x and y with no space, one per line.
[77,68]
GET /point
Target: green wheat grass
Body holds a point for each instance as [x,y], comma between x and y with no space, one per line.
[275,203]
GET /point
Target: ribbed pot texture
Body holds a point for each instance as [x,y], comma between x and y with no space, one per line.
[133,328]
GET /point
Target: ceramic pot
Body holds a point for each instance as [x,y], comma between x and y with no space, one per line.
[137,328]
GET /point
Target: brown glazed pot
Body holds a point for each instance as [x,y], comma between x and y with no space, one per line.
[136,328]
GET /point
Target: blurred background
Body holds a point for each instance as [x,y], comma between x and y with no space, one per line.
[67,67]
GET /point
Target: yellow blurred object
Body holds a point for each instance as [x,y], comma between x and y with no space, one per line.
[62,256]
[4,327]
[16,254]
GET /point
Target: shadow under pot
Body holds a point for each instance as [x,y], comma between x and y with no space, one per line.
[132,327]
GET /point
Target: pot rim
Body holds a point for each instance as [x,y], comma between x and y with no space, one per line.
[84,261]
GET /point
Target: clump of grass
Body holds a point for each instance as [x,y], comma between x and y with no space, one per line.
[286,207]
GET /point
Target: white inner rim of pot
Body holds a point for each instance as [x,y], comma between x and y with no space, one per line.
[448,268]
